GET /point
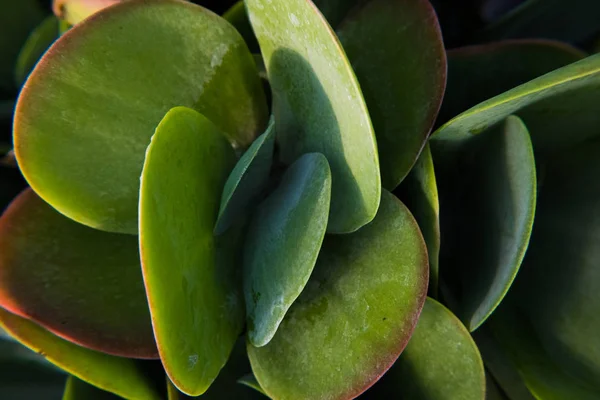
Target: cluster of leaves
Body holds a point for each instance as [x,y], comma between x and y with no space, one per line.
[277,202]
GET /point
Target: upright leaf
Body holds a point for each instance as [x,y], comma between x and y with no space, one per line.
[36,45]
[355,315]
[77,389]
[396,49]
[318,105]
[81,284]
[87,163]
[283,242]
[196,307]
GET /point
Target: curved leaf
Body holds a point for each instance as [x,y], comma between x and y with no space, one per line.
[396,49]
[36,45]
[118,375]
[238,17]
[548,105]
[355,315]
[441,361]
[478,73]
[250,381]
[318,105]
[77,389]
[247,180]
[420,194]
[283,242]
[87,163]
[488,195]
[81,284]
[196,307]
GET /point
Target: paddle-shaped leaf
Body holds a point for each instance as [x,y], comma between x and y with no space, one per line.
[318,105]
[548,105]
[355,315]
[82,284]
[195,302]
[247,180]
[87,162]
[420,194]
[440,362]
[122,376]
[478,73]
[36,45]
[282,244]
[76,389]
[396,49]
[487,197]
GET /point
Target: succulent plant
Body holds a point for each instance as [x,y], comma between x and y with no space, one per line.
[301,200]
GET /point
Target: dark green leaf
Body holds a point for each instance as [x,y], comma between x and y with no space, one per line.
[440,362]
[487,202]
[247,180]
[250,381]
[36,45]
[195,302]
[87,161]
[82,284]
[283,242]
[77,389]
[396,49]
[355,315]
[318,105]
[238,17]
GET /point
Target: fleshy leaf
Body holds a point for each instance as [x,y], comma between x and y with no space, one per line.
[247,180]
[36,45]
[488,194]
[75,11]
[396,49]
[548,105]
[571,22]
[122,376]
[440,362]
[250,381]
[478,73]
[355,315]
[17,20]
[318,105]
[82,284]
[557,289]
[76,389]
[282,244]
[195,301]
[110,100]
[420,194]
[238,17]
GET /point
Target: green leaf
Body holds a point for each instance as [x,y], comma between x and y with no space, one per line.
[238,17]
[557,288]
[79,283]
[36,45]
[441,361]
[420,194]
[77,389]
[250,381]
[488,195]
[17,20]
[396,49]
[87,163]
[548,105]
[282,244]
[75,11]
[118,375]
[247,181]
[355,315]
[478,73]
[318,105]
[574,21]
[492,390]
[195,302]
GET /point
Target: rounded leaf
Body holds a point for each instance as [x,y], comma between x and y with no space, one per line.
[87,162]
[318,105]
[283,242]
[440,362]
[355,315]
[82,284]
[195,301]
[396,49]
